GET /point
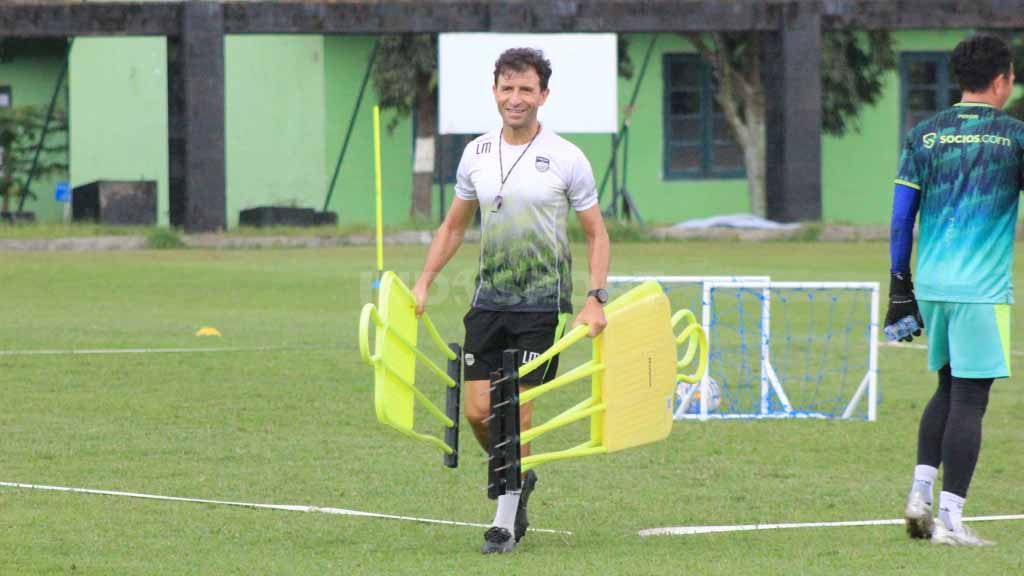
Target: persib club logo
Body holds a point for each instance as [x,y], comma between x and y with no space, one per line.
[929,140]
[542,164]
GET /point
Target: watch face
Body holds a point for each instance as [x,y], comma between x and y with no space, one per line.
[601,294]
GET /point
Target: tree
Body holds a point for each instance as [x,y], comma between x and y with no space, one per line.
[1016,106]
[405,79]
[20,131]
[853,67]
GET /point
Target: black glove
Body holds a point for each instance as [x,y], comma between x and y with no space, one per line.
[903,303]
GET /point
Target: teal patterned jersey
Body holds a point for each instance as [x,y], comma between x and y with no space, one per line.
[966,162]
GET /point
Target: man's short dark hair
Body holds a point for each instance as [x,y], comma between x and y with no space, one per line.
[519,59]
[979,60]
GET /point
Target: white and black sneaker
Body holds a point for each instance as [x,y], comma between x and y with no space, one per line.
[522,522]
[918,516]
[497,540]
[962,536]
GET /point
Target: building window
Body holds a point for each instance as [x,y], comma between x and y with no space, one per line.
[927,86]
[697,139]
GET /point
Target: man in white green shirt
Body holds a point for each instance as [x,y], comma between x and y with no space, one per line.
[525,179]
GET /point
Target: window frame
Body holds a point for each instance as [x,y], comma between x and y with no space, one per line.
[944,82]
[706,115]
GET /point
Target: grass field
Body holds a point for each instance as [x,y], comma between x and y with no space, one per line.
[294,424]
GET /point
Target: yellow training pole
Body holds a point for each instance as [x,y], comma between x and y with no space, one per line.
[380,190]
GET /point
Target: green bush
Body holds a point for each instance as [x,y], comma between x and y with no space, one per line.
[163,239]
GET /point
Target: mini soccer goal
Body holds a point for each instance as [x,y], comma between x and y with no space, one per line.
[778,349]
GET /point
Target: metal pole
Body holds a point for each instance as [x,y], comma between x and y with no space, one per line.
[613,206]
[705,322]
[351,123]
[623,191]
[46,126]
[379,191]
[629,112]
[766,327]
[873,359]
[442,177]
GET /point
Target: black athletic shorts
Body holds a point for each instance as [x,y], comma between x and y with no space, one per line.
[490,333]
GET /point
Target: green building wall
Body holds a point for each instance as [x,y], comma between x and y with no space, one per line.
[289,100]
[353,198]
[274,121]
[858,168]
[274,117]
[119,112]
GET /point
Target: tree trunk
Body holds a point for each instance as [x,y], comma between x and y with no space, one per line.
[741,96]
[749,133]
[423,165]
[754,162]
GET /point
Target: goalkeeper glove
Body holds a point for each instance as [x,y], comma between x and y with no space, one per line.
[903,320]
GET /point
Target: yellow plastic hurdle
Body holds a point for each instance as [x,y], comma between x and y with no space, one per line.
[634,372]
[394,361]
[696,340]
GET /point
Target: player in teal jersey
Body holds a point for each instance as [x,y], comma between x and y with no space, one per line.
[962,170]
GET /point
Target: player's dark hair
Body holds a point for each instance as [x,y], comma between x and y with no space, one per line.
[519,59]
[979,60]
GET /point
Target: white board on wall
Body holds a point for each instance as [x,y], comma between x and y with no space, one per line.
[583,86]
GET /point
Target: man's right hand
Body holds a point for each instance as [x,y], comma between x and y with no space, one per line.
[903,303]
[420,291]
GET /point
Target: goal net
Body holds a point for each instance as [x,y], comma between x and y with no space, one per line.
[778,349]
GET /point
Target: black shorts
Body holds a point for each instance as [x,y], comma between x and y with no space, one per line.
[490,333]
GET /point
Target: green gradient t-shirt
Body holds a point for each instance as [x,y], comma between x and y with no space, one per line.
[525,262]
[966,162]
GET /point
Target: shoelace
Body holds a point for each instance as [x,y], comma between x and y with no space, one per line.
[496,533]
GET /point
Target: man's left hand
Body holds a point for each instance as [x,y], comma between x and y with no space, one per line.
[903,303]
[593,316]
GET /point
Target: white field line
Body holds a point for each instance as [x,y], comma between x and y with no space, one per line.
[287,507]
[85,352]
[910,346]
[690,530]
[905,345]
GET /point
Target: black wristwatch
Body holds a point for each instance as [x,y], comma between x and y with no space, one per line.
[601,295]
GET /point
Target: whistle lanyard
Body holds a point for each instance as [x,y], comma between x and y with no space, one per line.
[501,166]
